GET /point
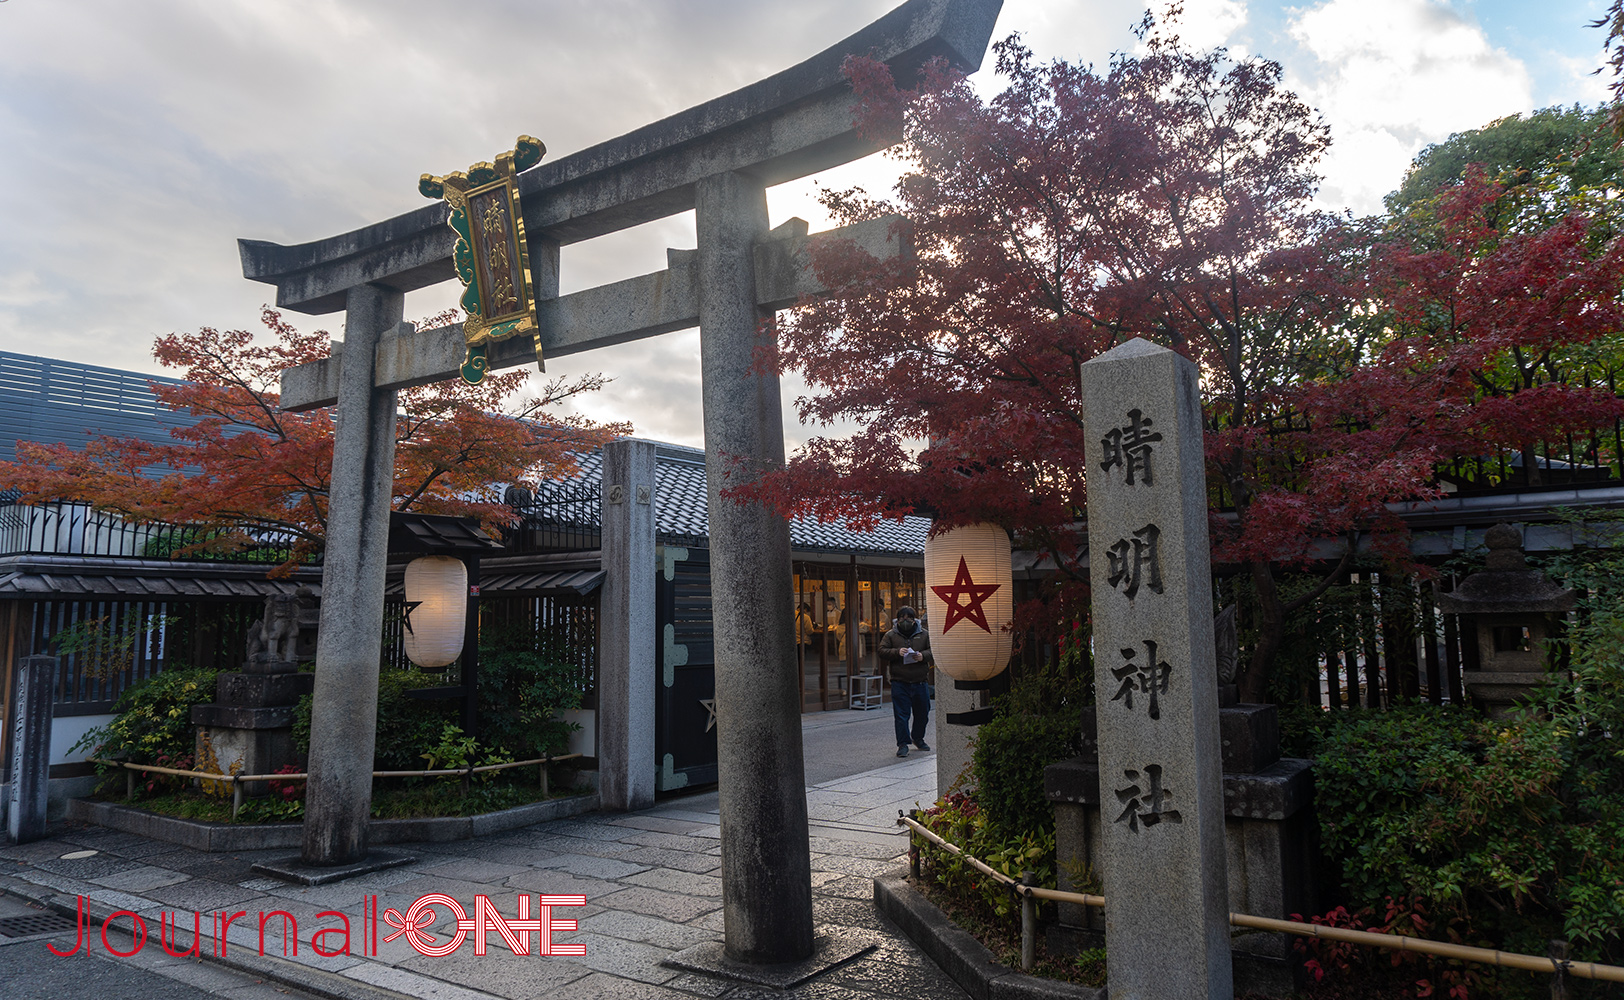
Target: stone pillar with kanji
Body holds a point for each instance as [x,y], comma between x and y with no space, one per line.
[1160,770]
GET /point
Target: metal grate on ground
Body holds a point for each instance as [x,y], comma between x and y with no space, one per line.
[34,923]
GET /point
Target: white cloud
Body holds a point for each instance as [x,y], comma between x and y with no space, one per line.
[1585,85]
[141,140]
[1393,76]
[1211,23]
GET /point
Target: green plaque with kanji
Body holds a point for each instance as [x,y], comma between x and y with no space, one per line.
[491,255]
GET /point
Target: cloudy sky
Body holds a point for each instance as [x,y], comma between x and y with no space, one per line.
[140,138]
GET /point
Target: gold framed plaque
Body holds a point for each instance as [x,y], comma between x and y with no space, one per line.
[491,255]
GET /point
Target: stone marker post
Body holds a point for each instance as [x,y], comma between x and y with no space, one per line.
[344,711]
[627,643]
[31,748]
[766,859]
[1161,781]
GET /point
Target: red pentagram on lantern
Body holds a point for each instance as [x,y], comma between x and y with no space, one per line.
[976,593]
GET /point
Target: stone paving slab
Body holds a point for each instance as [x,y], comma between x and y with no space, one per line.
[651,879]
[662,904]
[587,866]
[686,861]
[141,879]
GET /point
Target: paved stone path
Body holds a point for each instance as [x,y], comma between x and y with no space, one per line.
[651,880]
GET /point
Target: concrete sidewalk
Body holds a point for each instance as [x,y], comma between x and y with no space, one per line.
[651,880]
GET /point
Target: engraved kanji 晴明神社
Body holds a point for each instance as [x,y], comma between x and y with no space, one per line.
[1130,447]
[1146,806]
[1148,677]
[1136,559]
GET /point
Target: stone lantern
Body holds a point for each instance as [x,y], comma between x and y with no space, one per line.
[1513,608]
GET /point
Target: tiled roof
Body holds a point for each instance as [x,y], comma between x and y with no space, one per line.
[680,508]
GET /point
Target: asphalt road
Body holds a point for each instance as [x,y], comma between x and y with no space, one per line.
[30,972]
[843,742]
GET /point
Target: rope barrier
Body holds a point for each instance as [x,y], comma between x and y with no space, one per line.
[236,780]
[1373,939]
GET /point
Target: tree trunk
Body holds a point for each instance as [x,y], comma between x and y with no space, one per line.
[1531,469]
[1271,633]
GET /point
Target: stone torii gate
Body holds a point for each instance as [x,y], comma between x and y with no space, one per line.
[718,159]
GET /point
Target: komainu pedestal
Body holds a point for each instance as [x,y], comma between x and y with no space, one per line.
[248,728]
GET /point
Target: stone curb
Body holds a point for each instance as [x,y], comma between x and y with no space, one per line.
[224,837]
[960,955]
[306,979]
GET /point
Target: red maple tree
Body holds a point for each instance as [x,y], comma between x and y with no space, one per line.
[246,468]
[1167,198]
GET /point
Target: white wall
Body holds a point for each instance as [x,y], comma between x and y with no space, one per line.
[65,732]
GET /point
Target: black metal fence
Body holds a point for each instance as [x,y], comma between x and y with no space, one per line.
[107,646]
[77,529]
[565,519]
[562,628]
[1376,640]
[1385,641]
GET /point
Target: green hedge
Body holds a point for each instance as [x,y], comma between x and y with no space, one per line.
[1011,752]
[1513,829]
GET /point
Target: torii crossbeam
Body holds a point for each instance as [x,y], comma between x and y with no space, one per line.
[718,159]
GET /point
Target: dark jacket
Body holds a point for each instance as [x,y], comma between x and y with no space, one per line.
[891,647]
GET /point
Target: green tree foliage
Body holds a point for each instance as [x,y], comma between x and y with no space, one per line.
[521,694]
[1571,142]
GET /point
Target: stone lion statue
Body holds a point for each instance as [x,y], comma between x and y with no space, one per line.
[277,634]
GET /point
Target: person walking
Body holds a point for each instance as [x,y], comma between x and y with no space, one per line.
[906,650]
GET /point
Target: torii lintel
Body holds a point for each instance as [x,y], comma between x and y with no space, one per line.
[786,126]
[615,313]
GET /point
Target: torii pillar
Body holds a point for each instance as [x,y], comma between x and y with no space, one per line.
[760,767]
[344,705]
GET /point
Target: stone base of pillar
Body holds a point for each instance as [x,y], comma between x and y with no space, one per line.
[832,948]
[246,751]
[294,870]
[1502,692]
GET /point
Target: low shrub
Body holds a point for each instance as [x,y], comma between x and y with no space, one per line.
[1037,723]
[154,723]
[403,800]
[1011,752]
[1401,973]
[958,820]
[406,726]
[1500,826]
[521,694]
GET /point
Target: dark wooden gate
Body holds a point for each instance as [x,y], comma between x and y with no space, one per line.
[685,662]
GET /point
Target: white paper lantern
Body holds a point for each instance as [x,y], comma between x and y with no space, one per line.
[436,610]
[969,601]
